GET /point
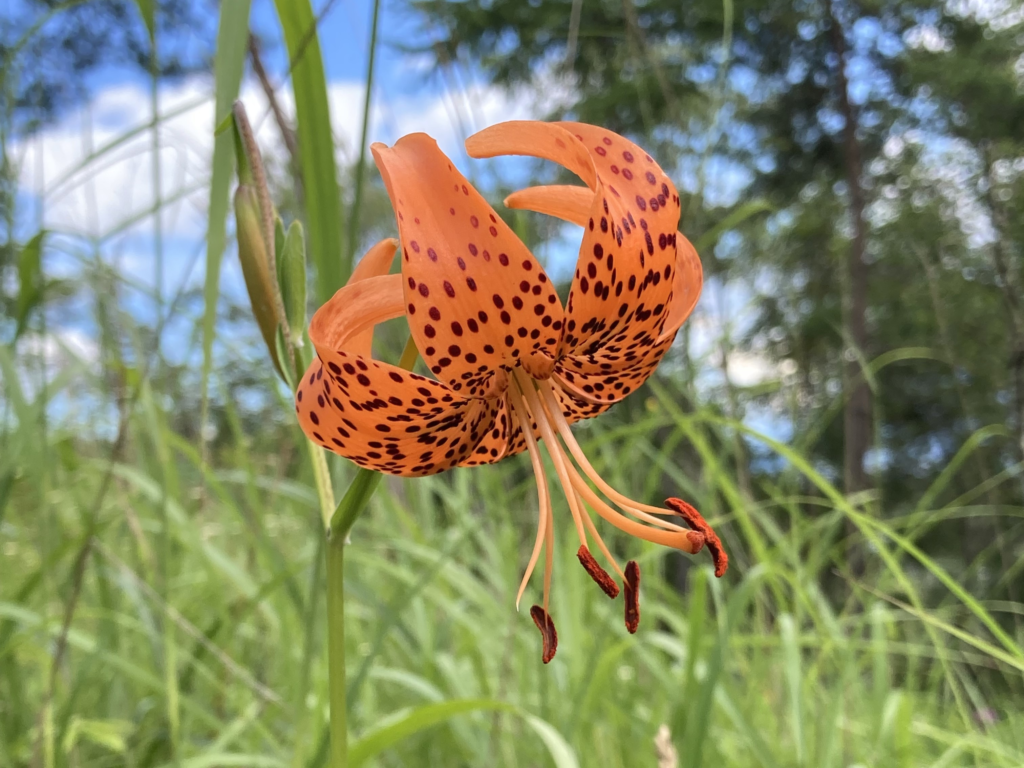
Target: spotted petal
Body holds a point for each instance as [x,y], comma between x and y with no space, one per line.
[378,415]
[476,298]
[615,369]
[623,275]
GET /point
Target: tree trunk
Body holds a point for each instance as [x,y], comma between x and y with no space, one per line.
[857,427]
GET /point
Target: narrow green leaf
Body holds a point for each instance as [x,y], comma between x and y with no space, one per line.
[759,750]
[408,722]
[738,216]
[229,760]
[558,747]
[791,651]
[316,147]
[278,245]
[110,734]
[147,10]
[228,66]
[975,441]
[698,728]
[30,280]
[353,221]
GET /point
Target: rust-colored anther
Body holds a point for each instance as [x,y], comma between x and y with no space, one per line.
[694,519]
[631,592]
[696,540]
[547,631]
[597,573]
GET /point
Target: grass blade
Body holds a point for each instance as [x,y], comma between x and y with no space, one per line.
[405,723]
[316,147]
[791,651]
[228,66]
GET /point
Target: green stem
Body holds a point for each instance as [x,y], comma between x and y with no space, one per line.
[354,502]
[322,476]
[352,505]
[336,651]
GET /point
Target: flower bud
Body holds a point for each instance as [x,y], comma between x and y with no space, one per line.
[252,253]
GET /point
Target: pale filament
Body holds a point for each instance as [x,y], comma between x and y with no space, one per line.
[674,536]
[562,467]
[543,502]
[549,553]
[685,541]
[600,542]
[557,458]
[635,508]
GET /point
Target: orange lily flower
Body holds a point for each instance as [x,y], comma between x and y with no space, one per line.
[487,321]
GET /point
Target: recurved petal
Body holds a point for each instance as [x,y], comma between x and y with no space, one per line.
[622,278]
[375,263]
[381,416]
[532,138]
[686,286]
[494,442]
[387,419]
[609,375]
[476,298]
[623,362]
[624,270]
[562,201]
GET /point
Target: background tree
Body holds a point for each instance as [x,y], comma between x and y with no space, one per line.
[884,137]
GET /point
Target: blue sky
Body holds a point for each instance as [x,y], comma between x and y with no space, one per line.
[344,34]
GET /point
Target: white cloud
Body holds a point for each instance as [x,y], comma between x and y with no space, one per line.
[62,347]
[98,197]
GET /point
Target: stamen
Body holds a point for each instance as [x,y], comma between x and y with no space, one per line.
[543,497]
[631,588]
[635,508]
[547,631]
[683,540]
[600,542]
[557,458]
[696,521]
[549,526]
[549,553]
[597,573]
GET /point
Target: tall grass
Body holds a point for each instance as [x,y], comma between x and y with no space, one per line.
[758,670]
[161,599]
